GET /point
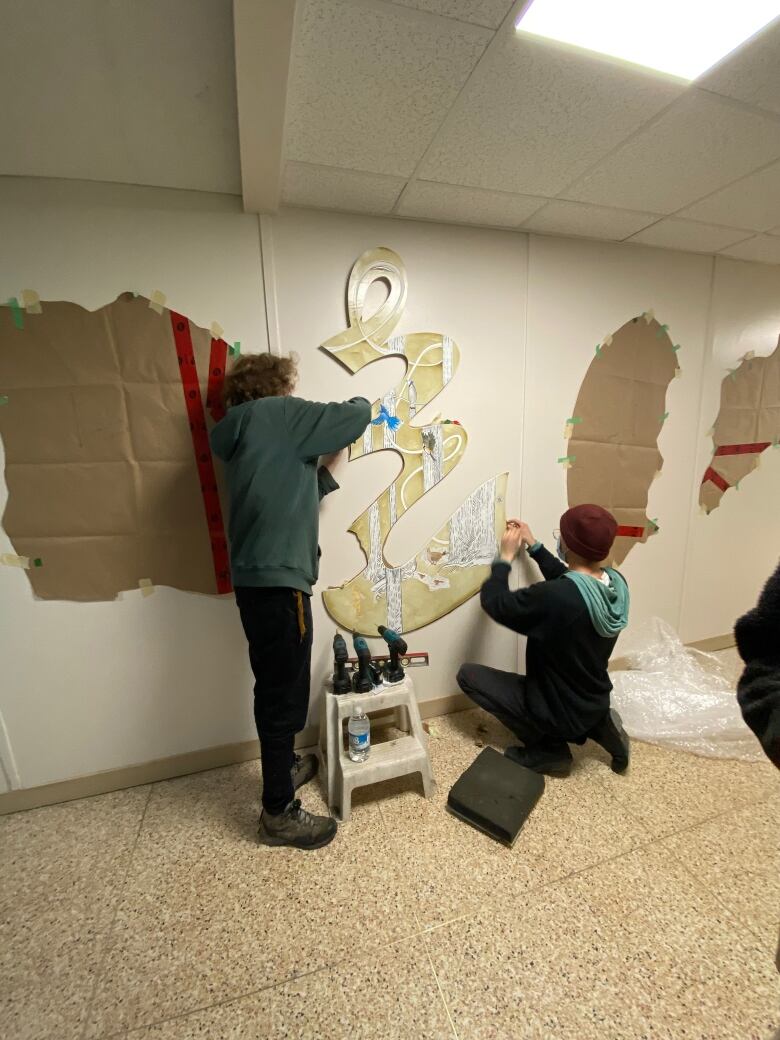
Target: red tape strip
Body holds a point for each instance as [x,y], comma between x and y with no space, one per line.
[626,531]
[713,475]
[202,449]
[743,449]
[217,362]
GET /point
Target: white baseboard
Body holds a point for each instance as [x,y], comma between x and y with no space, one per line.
[176,765]
[227,754]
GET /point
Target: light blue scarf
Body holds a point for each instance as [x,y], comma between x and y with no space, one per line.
[607,604]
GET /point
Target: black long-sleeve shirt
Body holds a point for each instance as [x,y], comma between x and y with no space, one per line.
[567,683]
[758,691]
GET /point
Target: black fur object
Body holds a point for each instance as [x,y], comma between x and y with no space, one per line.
[758,691]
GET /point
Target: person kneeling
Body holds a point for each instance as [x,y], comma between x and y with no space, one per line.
[572,620]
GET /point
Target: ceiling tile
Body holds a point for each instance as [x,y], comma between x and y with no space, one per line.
[575,218]
[448,202]
[120,92]
[752,202]
[481,12]
[672,233]
[751,73]
[371,82]
[701,144]
[324,187]
[533,117]
[764,248]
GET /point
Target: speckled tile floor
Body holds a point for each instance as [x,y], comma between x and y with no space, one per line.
[631,908]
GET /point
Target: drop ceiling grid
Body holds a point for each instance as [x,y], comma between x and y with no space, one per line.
[534,116]
[631,156]
[489,13]
[358,71]
[751,73]
[699,145]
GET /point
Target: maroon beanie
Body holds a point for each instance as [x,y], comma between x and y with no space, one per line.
[589,531]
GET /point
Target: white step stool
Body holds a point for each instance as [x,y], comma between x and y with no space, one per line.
[408,754]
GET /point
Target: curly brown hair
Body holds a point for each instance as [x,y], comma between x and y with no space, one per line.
[259,375]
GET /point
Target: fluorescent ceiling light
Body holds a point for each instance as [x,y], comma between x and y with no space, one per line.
[681,37]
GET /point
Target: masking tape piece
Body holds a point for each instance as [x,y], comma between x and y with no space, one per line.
[217,332]
[749,356]
[235,350]
[11,560]
[567,432]
[146,586]
[31,301]
[677,372]
[607,341]
[16,312]
[703,509]
[157,301]
[3,399]
[648,315]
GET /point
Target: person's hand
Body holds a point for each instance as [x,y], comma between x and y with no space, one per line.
[526,533]
[330,461]
[510,542]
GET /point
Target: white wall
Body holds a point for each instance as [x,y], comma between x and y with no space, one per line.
[93,686]
[732,552]
[469,284]
[87,687]
[579,292]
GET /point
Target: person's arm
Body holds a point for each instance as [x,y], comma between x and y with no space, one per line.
[326,482]
[521,610]
[758,690]
[321,429]
[549,565]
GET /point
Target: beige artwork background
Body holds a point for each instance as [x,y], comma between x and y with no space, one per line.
[102,482]
[749,415]
[612,456]
[455,562]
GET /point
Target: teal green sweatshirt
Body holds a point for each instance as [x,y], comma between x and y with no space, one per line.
[270,449]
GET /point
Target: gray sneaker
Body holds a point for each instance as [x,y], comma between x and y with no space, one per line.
[304,769]
[297,828]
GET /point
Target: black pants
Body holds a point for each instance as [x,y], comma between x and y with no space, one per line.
[503,695]
[278,628]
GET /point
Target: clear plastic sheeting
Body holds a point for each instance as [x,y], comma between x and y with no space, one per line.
[679,697]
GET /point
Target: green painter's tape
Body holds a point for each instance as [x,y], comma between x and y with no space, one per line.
[37,562]
[3,399]
[18,313]
[598,350]
[235,350]
[664,417]
[661,330]
[574,419]
[655,523]
[676,347]
[567,458]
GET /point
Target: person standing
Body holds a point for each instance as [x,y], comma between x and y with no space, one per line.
[572,620]
[270,443]
[758,691]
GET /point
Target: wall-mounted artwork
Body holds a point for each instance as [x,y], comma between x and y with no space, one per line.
[747,424]
[111,484]
[455,561]
[612,456]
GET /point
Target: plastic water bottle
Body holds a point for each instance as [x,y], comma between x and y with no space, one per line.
[359,731]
